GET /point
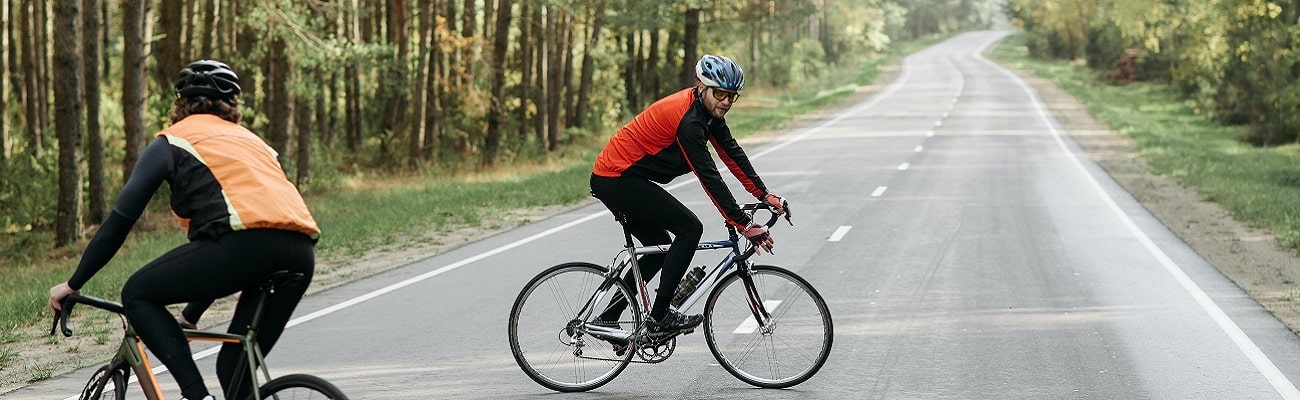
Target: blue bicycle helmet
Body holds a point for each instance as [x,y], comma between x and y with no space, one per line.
[720,72]
[208,78]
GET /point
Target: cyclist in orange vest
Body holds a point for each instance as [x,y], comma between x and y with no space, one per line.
[245,220]
[669,139]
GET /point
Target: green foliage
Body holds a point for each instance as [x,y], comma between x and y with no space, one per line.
[794,64]
[26,192]
[1232,60]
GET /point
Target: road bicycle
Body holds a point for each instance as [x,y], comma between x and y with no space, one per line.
[765,325]
[110,381]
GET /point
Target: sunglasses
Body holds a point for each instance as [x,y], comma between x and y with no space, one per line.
[721,95]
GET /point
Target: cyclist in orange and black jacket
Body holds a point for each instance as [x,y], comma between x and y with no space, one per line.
[669,139]
[245,221]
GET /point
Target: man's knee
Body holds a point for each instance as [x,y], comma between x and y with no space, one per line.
[691,231]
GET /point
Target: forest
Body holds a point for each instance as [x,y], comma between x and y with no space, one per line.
[1235,61]
[339,87]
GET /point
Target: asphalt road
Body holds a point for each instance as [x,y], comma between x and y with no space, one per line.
[966,247]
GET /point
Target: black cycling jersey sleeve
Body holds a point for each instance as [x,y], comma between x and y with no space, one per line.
[734,156]
[694,142]
[153,167]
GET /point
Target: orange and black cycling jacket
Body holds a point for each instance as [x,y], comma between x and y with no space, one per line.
[669,139]
[223,179]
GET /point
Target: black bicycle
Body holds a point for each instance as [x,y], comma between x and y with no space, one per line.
[765,325]
[110,381]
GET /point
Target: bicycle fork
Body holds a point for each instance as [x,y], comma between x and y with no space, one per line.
[756,306]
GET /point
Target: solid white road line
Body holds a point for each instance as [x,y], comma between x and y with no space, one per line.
[1234,332]
[839,233]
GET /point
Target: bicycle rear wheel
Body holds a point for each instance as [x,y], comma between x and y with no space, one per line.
[549,340]
[299,387]
[97,388]
[789,349]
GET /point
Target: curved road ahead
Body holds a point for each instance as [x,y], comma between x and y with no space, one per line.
[966,247]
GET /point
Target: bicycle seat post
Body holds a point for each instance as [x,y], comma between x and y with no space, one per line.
[627,235]
[273,281]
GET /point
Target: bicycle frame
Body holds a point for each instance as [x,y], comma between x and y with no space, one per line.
[628,258]
[132,352]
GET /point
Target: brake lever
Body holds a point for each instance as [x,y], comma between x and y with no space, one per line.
[786,206]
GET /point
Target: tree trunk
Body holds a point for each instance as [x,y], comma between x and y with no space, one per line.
[690,46]
[207,34]
[630,86]
[489,12]
[167,49]
[651,76]
[31,76]
[419,108]
[553,71]
[187,31]
[281,111]
[566,75]
[468,22]
[525,67]
[352,86]
[543,56]
[105,40]
[133,81]
[432,93]
[4,80]
[303,120]
[43,59]
[68,107]
[98,207]
[496,116]
[579,117]
[398,88]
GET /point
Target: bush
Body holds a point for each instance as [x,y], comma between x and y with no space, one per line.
[26,193]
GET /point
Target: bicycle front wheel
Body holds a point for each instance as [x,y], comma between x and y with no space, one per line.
[299,387]
[548,337]
[97,388]
[785,351]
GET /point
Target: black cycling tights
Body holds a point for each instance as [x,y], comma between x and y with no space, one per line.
[651,215]
[207,269]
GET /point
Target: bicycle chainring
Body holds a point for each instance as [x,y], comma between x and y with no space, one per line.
[655,350]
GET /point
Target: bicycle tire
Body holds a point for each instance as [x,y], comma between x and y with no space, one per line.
[99,381]
[794,347]
[299,387]
[547,352]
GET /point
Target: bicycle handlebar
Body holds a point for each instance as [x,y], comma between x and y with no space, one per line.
[766,207]
[61,319]
[754,207]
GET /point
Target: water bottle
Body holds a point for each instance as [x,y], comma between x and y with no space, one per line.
[688,284]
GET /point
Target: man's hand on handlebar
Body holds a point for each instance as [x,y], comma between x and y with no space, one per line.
[57,293]
[777,204]
[757,234]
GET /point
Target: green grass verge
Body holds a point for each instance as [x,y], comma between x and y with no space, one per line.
[1260,186]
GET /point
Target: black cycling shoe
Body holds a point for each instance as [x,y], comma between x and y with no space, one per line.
[675,322]
[620,345]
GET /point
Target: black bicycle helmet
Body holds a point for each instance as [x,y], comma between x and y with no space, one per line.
[720,72]
[208,78]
